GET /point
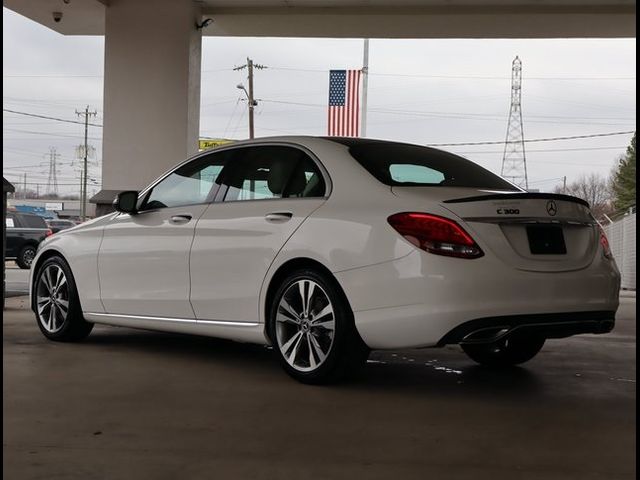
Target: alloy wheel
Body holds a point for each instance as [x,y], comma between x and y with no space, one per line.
[52,298]
[305,325]
[28,256]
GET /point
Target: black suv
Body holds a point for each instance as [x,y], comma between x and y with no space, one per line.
[24,233]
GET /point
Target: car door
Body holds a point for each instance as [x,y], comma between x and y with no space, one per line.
[143,261]
[266,193]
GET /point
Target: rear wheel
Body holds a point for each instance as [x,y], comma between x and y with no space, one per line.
[505,352]
[25,256]
[56,302]
[312,330]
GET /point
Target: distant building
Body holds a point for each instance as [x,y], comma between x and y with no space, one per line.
[51,208]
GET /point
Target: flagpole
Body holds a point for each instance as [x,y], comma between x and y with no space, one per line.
[365,82]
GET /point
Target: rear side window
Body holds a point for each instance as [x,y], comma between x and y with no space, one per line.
[398,164]
[269,172]
[32,221]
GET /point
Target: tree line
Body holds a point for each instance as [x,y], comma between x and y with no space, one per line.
[608,196]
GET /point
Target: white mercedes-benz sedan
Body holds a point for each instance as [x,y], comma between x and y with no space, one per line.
[326,248]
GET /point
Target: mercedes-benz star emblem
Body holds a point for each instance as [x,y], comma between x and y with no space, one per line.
[552,208]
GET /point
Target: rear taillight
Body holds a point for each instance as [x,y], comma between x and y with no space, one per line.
[435,234]
[604,241]
[48,233]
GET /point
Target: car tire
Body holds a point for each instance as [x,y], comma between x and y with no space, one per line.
[311,328]
[510,351]
[56,303]
[25,256]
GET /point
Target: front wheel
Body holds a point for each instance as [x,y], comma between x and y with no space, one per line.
[57,304]
[506,352]
[312,329]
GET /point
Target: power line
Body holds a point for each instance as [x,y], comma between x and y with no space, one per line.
[53,75]
[59,184]
[470,116]
[26,114]
[465,77]
[550,139]
[32,132]
[551,150]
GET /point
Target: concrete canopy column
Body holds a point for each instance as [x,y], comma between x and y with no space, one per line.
[151,91]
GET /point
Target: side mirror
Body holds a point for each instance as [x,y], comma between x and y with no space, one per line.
[125,202]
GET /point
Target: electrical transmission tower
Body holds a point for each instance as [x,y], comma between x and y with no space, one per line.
[52,182]
[514,163]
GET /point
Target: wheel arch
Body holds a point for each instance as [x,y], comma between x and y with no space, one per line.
[285,269]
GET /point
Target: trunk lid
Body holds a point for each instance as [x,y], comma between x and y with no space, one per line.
[531,231]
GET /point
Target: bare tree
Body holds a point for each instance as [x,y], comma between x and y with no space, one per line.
[593,188]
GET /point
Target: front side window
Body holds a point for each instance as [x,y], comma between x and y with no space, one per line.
[268,172]
[188,185]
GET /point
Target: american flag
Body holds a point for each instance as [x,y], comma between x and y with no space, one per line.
[344,103]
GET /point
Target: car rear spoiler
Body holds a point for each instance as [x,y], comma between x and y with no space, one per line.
[520,195]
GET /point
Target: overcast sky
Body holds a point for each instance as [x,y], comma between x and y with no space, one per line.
[420,91]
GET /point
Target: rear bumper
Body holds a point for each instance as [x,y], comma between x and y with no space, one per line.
[549,325]
[425,300]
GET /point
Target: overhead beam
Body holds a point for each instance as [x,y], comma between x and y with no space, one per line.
[482,19]
[532,21]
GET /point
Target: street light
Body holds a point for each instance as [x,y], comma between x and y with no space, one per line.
[251,103]
[241,87]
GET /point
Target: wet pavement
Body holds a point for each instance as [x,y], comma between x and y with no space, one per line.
[135,404]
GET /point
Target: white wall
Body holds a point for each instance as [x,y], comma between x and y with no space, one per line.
[622,238]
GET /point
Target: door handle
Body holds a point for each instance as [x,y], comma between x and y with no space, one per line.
[184,218]
[278,217]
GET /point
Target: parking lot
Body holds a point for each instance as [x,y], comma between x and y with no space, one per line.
[136,404]
[17,280]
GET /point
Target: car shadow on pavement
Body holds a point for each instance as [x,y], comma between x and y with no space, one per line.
[381,373]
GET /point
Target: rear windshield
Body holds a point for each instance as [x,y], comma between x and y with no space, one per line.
[404,165]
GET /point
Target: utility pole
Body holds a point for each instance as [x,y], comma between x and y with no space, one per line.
[564,184]
[83,191]
[365,84]
[251,102]
[514,163]
[24,186]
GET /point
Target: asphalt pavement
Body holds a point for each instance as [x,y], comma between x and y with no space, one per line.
[129,404]
[17,280]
